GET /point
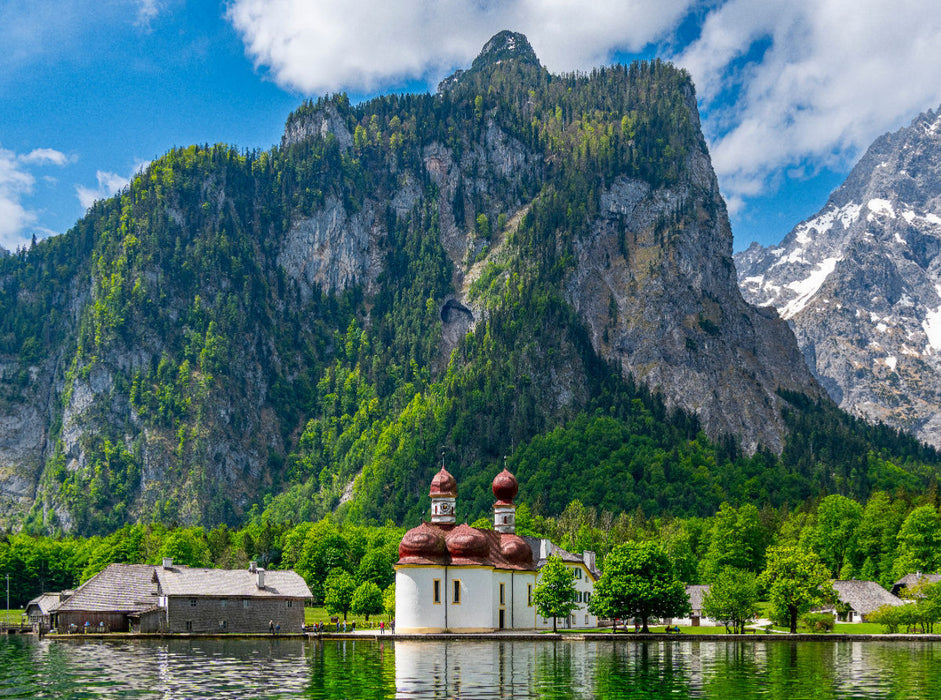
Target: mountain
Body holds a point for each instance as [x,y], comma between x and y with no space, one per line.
[860,283]
[523,265]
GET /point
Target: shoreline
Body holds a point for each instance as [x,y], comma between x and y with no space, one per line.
[514,637]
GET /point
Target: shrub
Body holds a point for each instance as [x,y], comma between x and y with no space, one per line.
[818,622]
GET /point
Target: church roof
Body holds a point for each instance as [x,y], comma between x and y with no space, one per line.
[463,545]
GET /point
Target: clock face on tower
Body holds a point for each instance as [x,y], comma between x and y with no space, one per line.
[444,508]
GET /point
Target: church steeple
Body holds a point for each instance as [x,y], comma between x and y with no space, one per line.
[505,487]
[443,497]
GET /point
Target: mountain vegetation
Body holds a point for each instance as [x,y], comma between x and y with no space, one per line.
[303,330]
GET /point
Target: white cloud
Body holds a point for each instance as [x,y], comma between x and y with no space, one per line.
[329,45]
[44,156]
[147,11]
[108,184]
[792,84]
[787,87]
[16,183]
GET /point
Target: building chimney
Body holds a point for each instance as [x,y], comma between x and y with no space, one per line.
[261,578]
[589,558]
[167,562]
[252,567]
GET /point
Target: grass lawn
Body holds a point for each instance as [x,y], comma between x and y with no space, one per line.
[14,616]
[858,628]
[317,615]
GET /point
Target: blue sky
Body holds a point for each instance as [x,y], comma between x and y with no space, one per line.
[791,91]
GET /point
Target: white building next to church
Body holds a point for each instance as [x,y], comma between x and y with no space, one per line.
[456,578]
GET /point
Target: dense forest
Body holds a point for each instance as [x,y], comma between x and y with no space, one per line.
[881,539]
[194,376]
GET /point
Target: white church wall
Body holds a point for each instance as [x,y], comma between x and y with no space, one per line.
[415,609]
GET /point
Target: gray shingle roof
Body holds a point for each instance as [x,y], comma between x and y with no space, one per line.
[120,588]
[46,603]
[864,596]
[538,544]
[186,581]
[911,580]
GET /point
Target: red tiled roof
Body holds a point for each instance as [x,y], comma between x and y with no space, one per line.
[465,546]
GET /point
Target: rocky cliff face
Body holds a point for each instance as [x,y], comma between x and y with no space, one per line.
[664,306]
[860,283]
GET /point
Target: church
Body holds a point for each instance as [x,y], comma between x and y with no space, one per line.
[456,578]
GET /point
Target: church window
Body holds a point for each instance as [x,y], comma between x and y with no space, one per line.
[529,595]
[437,590]
[456,598]
[578,572]
[502,594]
[192,602]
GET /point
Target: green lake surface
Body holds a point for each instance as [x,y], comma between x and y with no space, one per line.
[364,668]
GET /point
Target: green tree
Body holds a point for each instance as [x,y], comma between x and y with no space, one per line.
[367,600]
[638,581]
[877,537]
[187,547]
[919,542]
[737,539]
[376,566]
[732,599]
[926,608]
[796,581]
[388,601]
[554,595]
[338,592]
[834,537]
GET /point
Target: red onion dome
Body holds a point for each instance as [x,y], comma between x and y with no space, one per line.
[465,542]
[505,486]
[443,484]
[422,542]
[516,550]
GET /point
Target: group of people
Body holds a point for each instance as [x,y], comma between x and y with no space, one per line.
[319,627]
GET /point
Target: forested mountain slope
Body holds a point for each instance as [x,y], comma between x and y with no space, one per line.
[522,264]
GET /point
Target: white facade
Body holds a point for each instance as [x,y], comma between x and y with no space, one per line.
[581,618]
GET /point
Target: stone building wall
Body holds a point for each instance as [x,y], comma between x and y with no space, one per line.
[234,615]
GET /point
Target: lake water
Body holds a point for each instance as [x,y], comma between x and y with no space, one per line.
[362,668]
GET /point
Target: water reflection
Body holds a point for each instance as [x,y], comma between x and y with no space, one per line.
[363,668]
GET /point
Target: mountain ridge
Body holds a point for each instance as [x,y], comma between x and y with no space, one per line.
[859,282]
[304,329]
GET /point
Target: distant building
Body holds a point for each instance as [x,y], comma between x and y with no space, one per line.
[696,617]
[586,576]
[911,580]
[38,610]
[857,599]
[107,600]
[229,600]
[457,578]
[168,598]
